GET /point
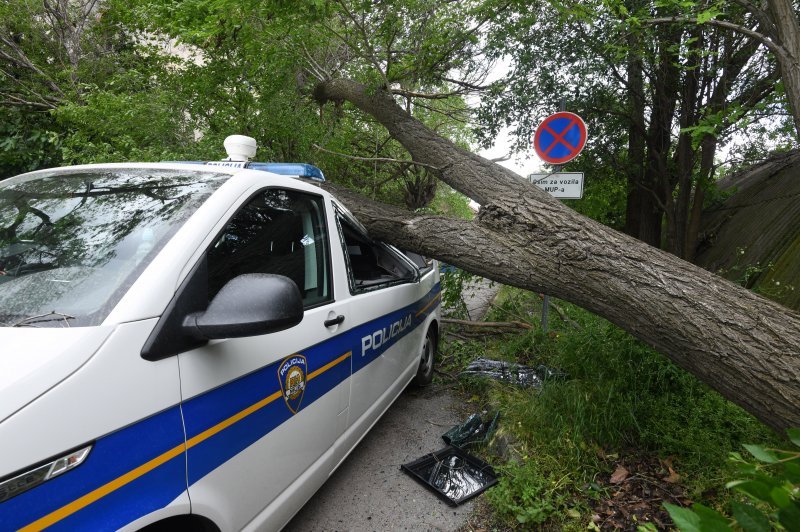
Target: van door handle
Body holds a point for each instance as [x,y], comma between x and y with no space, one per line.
[334,321]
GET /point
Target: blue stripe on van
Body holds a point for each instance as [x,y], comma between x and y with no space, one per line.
[138,469]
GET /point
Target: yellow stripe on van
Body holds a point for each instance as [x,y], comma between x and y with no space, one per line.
[97,494]
[329,365]
[102,491]
[224,424]
[426,307]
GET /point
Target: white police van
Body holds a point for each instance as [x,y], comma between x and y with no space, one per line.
[188,346]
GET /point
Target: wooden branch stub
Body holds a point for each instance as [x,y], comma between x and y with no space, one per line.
[489,324]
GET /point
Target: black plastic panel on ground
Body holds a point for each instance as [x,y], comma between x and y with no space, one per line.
[453,474]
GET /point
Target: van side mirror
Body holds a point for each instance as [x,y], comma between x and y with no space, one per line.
[248,305]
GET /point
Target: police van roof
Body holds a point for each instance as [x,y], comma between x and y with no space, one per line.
[290,169]
[241,149]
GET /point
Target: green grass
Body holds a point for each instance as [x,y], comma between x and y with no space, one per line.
[621,397]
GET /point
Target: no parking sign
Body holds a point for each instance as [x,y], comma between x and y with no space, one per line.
[560,137]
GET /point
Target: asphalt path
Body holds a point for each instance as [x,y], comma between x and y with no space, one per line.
[477,296]
[370,492]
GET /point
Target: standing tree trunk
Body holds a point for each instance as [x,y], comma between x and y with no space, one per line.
[637,131]
[744,346]
[680,183]
[786,33]
[665,80]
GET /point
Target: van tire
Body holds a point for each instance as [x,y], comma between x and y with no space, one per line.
[427,358]
[193,522]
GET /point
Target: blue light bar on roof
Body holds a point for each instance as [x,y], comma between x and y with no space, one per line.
[291,169]
[298,169]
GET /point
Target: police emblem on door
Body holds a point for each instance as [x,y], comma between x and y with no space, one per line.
[292,376]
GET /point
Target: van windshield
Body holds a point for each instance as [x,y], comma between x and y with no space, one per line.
[71,244]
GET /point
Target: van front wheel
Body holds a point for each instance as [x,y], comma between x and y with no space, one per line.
[427,357]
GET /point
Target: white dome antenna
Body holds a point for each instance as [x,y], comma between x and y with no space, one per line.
[240,148]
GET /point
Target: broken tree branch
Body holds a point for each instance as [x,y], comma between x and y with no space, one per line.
[489,324]
[375,159]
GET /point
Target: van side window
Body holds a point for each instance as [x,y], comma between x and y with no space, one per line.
[371,264]
[422,263]
[279,232]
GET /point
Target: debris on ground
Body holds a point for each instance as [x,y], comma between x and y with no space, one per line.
[452,474]
[524,376]
[472,431]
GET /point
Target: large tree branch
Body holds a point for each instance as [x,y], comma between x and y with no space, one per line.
[424,95]
[746,347]
[775,47]
[21,96]
[21,58]
[20,102]
[374,159]
[476,87]
[764,20]
[459,168]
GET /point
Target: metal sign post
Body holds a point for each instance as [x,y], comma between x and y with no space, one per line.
[559,150]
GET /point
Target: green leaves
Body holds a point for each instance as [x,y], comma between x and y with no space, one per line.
[761,454]
[790,517]
[29,141]
[684,519]
[794,436]
[754,488]
[750,518]
[773,485]
[709,14]
[699,518]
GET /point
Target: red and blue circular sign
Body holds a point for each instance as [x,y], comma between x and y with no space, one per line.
[560,138]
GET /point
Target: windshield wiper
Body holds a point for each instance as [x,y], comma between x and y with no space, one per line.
[52,315]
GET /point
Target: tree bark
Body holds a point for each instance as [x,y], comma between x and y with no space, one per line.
[665,82]
[685,154]
[637,131]
[744,346]
[786,31]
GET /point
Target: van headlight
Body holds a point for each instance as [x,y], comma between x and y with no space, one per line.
[17,484]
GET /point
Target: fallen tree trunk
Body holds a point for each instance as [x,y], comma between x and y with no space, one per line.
[742,345]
